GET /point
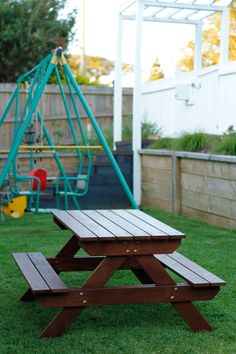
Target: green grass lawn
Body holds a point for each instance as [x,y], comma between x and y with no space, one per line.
[144,329]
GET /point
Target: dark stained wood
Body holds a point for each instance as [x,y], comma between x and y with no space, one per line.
[135,294]
[28,296]
[156,223]
[192,316]
[142,276]
[117,239]
[31,274]
[147,228]
[194,267]
[186,309]
[70,248]
[67,315]
[90,224]
[47,272]
[103,272]
[192,278]
[120,248]
[125,224]
[61,322]
[105,222]
[59,223]
[154,270]
[71,224]
[85,263]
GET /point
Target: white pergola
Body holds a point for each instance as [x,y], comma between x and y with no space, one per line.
[172,11]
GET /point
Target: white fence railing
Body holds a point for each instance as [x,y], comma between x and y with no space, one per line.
[193,103]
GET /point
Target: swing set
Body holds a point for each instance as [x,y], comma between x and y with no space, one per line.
[30,134]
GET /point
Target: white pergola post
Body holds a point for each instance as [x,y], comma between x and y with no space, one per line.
[117,121]
[198,48]
[224,37]
[137,138]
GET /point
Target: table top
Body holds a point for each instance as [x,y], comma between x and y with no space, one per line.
[115,224]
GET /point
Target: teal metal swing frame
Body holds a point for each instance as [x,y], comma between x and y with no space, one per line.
[37,78]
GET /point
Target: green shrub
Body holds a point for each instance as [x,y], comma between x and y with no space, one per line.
[148,129]
[227,145]
[127,129]
[196,142]
[108,135]
[162,143]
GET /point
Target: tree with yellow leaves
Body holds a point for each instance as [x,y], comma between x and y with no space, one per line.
[96,67]
[211,43]
[156,71]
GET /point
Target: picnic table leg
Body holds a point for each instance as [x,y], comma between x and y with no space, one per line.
[142,276]
[192,316]
[70,248]
[61,322]
[28,296]
[186,309]
[67,315]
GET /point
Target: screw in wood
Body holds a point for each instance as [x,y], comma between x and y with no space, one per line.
[175,289]
[172,297]
[127,251]
[135,251]
[81,294]
[84,301]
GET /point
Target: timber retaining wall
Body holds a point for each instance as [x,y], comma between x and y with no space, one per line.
[202,186]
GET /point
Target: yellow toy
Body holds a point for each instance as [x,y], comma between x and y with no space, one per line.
[16,207]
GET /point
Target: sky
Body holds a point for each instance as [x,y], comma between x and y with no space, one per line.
[161,40]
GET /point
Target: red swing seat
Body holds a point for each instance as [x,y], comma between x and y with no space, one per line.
[40,173]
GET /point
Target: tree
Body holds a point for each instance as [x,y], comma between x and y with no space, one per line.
[156,71]
[211,43]
[96,67]
[29,30]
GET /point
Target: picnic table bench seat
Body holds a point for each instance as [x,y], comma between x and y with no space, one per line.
[195,275]
[39,274]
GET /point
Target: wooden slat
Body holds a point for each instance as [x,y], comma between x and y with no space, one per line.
[90,224]
[31,274]
[194,267]
[74,225]
[156,223]
[47,272]
[181,270]
[151,230]
[125,224]
[115,229]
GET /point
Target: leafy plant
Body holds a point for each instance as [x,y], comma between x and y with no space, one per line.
[148,129]
[29,30]
[108,135]
[196,142]
[162,143]
[227,145]
[230,131]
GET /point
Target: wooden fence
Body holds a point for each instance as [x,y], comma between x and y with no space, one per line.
[100,100]
[202,186]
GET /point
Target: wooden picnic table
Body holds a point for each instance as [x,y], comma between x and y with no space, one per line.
[114,240]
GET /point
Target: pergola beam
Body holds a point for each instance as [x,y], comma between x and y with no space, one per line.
[125,6]
[167,20]
[184,6]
